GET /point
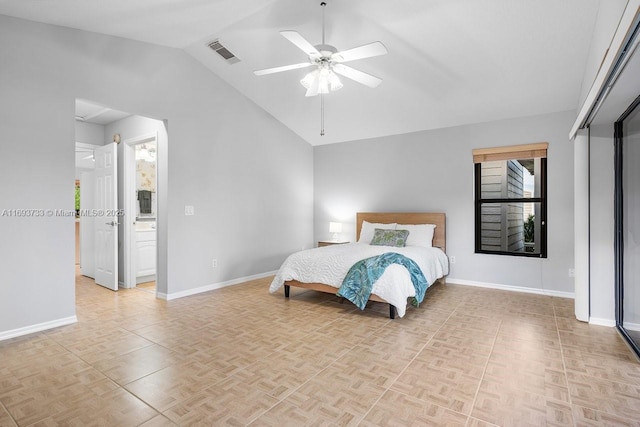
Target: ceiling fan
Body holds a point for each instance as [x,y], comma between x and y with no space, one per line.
[328,62]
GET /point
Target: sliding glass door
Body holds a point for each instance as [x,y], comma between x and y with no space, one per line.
[627,205]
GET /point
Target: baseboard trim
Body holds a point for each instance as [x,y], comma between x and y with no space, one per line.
[512,288]
[602,322]
[631,326]
[213,286]
[145,278]
[5,335]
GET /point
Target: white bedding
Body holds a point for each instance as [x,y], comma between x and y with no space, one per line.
[330,264]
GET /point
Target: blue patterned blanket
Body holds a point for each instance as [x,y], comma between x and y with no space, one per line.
[357,285]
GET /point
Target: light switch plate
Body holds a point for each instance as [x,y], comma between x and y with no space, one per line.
[188,210]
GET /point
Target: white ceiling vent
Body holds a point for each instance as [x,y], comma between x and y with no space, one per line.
[224,52]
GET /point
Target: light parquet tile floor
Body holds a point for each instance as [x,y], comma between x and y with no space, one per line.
[240,356]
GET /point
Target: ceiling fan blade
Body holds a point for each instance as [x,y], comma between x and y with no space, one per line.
[283,68]
[360,52]
[356,75]
[302,44]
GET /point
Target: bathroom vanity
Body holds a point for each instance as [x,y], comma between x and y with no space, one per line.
[146,251]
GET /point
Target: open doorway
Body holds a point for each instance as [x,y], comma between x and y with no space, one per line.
[84,190]
[131,136]
[140,207]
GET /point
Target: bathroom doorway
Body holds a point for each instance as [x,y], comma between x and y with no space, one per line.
[137,254]
[140,207]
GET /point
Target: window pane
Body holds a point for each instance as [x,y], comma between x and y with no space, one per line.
[510,227]
[510,179]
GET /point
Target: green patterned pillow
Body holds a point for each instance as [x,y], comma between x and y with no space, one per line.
[396,238]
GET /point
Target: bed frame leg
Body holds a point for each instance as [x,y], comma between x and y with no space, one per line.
[392,312]
[286,291]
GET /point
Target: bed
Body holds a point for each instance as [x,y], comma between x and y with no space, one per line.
[323,269]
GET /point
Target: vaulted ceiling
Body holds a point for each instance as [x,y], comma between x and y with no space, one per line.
[450,62]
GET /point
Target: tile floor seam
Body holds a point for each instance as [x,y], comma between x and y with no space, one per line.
[407,367]
[594,408]
[150,418]
[624,383]
[142,400]
[15,423]
[77,356]
[470,420]
[133,331]
[118,384]
[104,372]
[53,338]
[564,367]
[484,371]
[92,365]
[150,340]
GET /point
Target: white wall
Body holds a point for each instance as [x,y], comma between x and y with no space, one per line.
[249,178]
[602,220]
[89,133]
[433,171]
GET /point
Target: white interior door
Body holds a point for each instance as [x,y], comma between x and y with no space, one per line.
[105,216]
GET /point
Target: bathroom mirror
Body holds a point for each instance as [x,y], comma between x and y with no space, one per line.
[146,181]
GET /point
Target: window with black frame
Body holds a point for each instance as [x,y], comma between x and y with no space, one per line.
[510,200]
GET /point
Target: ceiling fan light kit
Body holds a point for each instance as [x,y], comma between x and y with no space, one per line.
[323,80]
[329,63]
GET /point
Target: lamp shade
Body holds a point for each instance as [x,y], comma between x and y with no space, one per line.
[335,227]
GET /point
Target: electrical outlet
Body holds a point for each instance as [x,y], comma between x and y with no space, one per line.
[214,263]
[452,259]
[572,272]
[189,210]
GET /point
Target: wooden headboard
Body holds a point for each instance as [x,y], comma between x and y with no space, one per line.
[436,218]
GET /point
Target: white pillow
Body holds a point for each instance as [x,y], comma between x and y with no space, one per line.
[419,234]
[368,230]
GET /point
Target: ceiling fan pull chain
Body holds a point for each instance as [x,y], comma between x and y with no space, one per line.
[321,114]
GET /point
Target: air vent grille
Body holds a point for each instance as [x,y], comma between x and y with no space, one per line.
[223,52]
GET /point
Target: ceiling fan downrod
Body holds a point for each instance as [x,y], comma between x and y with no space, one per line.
[323,4]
